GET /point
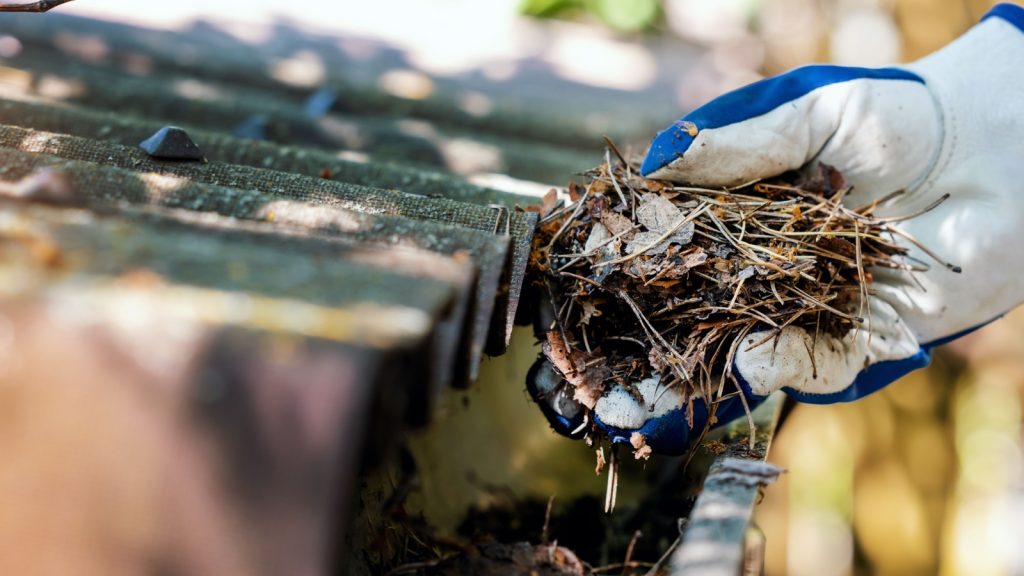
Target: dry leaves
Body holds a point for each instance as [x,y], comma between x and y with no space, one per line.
[648,277]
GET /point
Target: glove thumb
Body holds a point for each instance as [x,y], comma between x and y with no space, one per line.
[822,368]
[880,127]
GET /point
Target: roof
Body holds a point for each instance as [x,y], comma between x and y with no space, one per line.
[236,335]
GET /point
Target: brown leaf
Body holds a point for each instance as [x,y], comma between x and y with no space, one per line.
[655,185]
[833,179]
[645,241]
[574,192]
[598,235]
[657,359]
[686,261]
[586,372]
[838,245]
[549,203]
[640,448]
[617,224]
[657,213]
[590,310]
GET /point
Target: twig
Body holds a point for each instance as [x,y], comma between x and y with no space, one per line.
[577,257]
[925,249]
[629,552]
[664,557]
[822,304]
[611,174]
[612,488]
[619,566]
[752,441]
[653,332]
[583,425]
[547,521]
[615,149]
[579,206]
[924,210]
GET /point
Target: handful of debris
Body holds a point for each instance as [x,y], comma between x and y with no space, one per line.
[646,278]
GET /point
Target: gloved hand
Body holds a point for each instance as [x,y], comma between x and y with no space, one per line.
[951,124]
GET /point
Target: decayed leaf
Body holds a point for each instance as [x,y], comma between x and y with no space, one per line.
[590,310]
[586,372]
[645,240]
[574,192]
[657,213]
[617,224]
[656,357]
[549,203]
[640,448]
[659,216]
[598,235]
[687,261]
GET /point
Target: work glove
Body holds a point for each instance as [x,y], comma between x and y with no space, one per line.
[948,129]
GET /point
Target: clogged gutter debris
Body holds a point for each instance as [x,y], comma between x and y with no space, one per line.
[648,278]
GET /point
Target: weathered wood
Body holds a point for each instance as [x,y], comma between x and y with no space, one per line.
[714,542]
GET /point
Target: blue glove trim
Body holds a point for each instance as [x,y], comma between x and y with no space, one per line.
[874,377]
[755,100]
[1010,12]
[947,339]
[869,380]
[559,423]
[669,434]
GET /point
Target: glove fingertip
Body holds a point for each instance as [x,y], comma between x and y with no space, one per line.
[668,145]
[562,415]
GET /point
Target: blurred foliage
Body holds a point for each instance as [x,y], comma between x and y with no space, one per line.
[622,15]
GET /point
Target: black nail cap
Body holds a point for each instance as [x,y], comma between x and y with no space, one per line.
[172,143]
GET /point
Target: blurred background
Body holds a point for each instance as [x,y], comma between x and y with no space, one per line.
[926,477]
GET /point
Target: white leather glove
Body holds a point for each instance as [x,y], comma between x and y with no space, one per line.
[950,124]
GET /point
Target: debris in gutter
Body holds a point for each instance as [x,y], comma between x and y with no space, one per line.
[647,278]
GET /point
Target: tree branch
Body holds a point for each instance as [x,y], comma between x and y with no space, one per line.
[41,6]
